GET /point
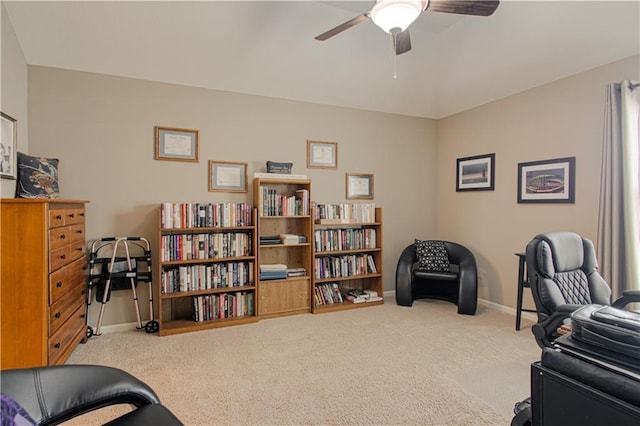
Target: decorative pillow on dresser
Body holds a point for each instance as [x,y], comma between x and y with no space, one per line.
[37,177]
[432,256]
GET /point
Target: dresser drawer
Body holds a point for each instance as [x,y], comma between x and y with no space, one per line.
[72,216]
[59,237]
[62,308]
[59,257]
[56,218]
[62,341]
[64,279]
[76,232]
[77,249]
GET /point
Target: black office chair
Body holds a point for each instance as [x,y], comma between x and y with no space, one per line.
[54,394]
[458,284]
[563,275]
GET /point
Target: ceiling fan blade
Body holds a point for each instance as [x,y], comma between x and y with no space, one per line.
[464,7]
[402,42]
[343,27]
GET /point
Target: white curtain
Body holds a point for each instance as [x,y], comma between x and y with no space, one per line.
[618,244]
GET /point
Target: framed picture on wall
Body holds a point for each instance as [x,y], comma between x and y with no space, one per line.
[547,181]
[359,186]
[322,155]
[175,144]
[226,176]
[476,173]
[8,143]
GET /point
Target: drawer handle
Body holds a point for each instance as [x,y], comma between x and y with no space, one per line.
[59,284]
[79,231]
[82,315]
[72,215]
[62,236]
[81,214]
[57,345]
[56,315]
[63,256]
[59,216]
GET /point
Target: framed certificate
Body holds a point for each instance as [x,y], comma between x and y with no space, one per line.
[359,186]
[174,144]
[226,176]
[322,155]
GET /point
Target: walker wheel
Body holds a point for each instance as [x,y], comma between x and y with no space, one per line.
[89,331]
[152,327]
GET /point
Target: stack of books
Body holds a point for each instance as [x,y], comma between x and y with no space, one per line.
[274,271]
[269,239]
[289,239]
[296,272]
[362,296]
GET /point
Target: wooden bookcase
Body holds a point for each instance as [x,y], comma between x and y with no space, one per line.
[283,208]
[207,266]
[347,264]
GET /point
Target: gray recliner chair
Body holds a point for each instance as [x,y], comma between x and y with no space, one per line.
[563,275]
[459,285]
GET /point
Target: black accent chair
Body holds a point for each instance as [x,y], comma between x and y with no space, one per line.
[563,275]
[54,394]
[459,286]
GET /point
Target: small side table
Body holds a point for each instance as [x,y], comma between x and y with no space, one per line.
[523,282]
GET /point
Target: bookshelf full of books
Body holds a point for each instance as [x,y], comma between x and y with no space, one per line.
[347,256]
[284,228]
[207,266]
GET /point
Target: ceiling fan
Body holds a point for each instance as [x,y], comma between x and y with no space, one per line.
[395,16]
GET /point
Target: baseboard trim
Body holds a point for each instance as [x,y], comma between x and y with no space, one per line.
[489,304]
[507,309]
[118,328]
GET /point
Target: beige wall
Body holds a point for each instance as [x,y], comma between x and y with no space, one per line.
[561,119]
[101,129]
[13,90]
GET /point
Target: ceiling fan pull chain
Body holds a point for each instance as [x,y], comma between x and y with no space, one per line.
[394,41]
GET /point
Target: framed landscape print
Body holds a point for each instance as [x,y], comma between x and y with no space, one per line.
[547,181]
[476,173]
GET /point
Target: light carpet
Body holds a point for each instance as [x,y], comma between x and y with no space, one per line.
[380,365]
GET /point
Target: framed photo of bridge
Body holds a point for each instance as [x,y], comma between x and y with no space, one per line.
[547,181]
[476,173]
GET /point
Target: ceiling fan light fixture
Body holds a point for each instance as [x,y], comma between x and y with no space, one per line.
[392,14]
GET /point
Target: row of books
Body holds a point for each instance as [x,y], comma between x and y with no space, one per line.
[274,204]
[344,266]
[211,307]
[327,294]
[345,213]
[205,215]
[217,245]
[344,239]
[205,277]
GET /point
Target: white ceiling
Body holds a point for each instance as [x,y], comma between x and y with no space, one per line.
[268,48]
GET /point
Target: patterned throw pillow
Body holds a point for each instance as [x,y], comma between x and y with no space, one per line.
[13,414]
[432,256]
[37,177]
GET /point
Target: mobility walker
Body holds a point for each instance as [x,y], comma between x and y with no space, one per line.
[114,265]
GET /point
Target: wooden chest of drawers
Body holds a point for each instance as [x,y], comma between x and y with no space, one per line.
[42,281]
